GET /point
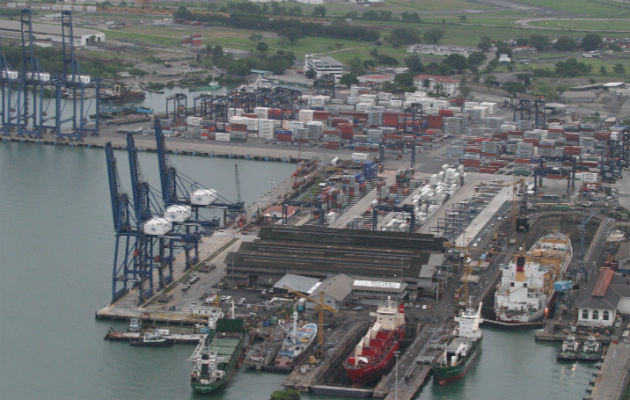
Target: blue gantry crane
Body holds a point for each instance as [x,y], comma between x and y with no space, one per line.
[9,81]
[126,273]
[177,188]
[75,84]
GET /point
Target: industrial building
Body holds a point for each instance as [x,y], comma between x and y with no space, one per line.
[336,291]
[372,291]
[436,83]
[323,65]
[82,37]
[605,297]
[439,50]
[324,252]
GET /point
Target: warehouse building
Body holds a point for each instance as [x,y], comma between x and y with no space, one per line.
[323,65]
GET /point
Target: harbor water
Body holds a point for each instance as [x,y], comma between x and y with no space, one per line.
[56,245]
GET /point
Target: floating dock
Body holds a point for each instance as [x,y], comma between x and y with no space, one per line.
[188,338]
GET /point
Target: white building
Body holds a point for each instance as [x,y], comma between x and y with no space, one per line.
[323,65]
[437,83]
[371,291]
[605,297]
[439,50]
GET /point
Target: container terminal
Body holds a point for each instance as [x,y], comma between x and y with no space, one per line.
[412,197]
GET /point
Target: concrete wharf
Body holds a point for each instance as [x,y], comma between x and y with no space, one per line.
[614,375]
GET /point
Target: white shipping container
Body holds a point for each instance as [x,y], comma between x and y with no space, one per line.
[193,121]
[222,137]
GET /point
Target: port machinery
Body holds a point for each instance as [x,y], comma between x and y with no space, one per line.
[179,189]
[26,105]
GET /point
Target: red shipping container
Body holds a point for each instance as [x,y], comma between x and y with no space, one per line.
[426,138]
[556,130]
[393,188]
[472,150]
[498,163]
[331,145]
[445,113]
[522,161]
[347,135]
[553,176]
[331,132]
[515,133]
[533,141]
[434,121]
[575,137]
[488,154]
[488,170]
[471,163]
[321,115]
[602,135]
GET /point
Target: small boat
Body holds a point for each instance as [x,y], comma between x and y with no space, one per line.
[591,350]
[214,85]
[134,325]
[153,338]
[569,349]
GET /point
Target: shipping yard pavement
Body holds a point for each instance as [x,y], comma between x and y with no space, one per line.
[614,375]
[433,155]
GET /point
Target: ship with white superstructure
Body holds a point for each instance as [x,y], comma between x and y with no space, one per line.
[527,287]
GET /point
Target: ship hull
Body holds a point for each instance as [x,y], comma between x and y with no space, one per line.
[589,356]
[285,361]
[369,373]
[444,375]
[229,368]
[566,356]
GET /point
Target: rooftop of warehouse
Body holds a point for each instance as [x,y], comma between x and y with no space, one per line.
[300,283]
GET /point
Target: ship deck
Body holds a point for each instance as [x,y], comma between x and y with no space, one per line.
[224,346]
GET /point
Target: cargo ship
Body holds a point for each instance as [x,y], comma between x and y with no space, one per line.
[528,283]
[216,356]
[460,353]
[295,345]
[374,354]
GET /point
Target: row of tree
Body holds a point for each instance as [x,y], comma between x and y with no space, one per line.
[293,29]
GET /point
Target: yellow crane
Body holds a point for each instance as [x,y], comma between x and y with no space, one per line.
[320,307]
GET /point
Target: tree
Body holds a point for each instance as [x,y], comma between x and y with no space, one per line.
[603,70]
[485,43]
[348,80]
[404,81]
[514,87]
[540,42]
[464,89]
[434,35]
[310,74]
[217,51]
[456,62]
[572,67]
[292,34]
[413,63]
[319,11]
[403,35]
[592,41]
[262,47]
[462,18]
[619,69]
[384,59]
[476,58]
[356,66]
[564,43]
[256,37]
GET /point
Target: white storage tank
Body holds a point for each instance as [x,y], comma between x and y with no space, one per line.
[203,197]
[178,213]
[157,226]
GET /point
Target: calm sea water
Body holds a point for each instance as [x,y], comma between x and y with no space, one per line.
[56,241]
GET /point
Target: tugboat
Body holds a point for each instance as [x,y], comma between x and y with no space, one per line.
[591,350]
[462,350]
[569,349]
[153,338]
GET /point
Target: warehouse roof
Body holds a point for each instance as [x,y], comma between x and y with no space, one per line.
[303,284]
[338,287]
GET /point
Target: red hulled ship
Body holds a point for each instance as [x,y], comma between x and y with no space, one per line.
[374,354]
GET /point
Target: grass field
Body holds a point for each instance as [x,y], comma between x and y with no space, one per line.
[601,25]
[588,8]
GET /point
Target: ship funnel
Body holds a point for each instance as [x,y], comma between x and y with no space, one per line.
[520,264]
